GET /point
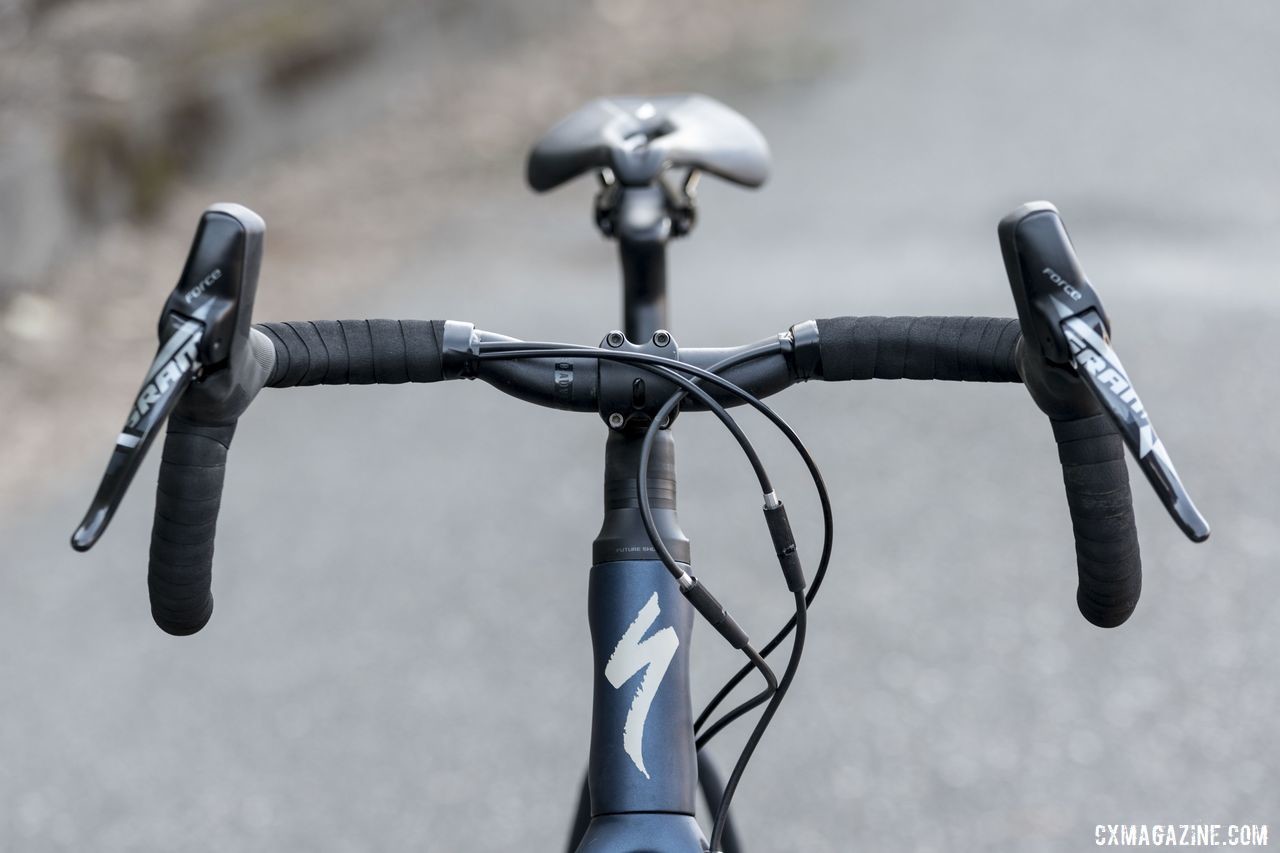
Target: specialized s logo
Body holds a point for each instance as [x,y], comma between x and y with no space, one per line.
[634,653]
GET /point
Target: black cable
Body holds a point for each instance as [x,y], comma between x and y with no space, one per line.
[646,447]
[753,740]
[799,621]
[522,350]
[824,562]
[658,366]
[568,351]
[713,405]
[731,717]
[722,811]
[646,510]
[665,367]
[827,520]
[818,576]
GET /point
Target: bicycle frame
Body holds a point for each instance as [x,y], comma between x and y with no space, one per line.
[643,768]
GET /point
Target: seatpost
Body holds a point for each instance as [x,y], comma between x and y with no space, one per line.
[643,219]
[644,288]
[642,224]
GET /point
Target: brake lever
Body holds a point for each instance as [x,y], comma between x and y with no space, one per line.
[1064,321]
[204,319]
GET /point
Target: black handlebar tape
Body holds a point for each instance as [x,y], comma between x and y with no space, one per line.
[355,352]
[969,349]
[1097,481]
[187,498]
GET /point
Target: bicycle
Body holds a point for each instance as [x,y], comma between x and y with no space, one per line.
[646,762]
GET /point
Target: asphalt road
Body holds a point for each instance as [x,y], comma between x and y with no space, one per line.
[399,656]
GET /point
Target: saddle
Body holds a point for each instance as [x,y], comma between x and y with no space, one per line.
[639,138]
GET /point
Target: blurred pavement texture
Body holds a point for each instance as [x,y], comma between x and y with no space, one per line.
[399,659]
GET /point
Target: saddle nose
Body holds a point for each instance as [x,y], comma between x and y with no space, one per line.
[638,138]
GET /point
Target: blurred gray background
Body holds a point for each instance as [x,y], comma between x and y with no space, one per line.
[357,688]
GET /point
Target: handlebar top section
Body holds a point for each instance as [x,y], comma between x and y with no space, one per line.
[364,352]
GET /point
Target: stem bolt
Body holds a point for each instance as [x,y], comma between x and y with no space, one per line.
[616,420]
[661,337]
[615,339]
